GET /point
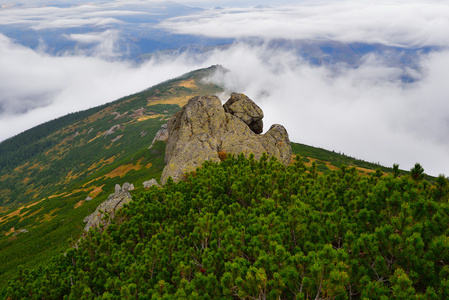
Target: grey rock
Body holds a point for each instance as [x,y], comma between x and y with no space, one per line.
[131,187]
[203,129]
[246,110]
[20,231]
[161,135]
[125,186]
[88,198]
[110,207]
[119,116]
[149,183]
[137,113]
[118,188]
[112,130]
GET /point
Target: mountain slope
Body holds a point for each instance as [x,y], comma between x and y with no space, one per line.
[246,229]
[55,153]
[47,172]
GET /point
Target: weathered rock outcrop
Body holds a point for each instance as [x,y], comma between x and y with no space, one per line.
[149,183]
[246,110]
[110,206]
[161,135]
[204,128]
[112,130]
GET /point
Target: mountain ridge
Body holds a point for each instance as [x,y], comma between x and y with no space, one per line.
[44,192]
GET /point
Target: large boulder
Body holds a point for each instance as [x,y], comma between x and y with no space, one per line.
[246,110]
[204,129]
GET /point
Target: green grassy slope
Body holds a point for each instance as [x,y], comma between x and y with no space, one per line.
[48,171]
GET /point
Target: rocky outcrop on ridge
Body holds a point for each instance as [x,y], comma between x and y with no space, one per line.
[246,110]
[204,128]
[110,206]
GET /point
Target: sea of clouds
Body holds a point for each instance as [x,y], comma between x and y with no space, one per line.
[367,112]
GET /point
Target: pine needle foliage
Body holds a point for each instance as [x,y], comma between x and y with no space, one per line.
[247,229]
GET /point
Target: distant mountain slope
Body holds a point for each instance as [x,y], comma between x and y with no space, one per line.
[54,156]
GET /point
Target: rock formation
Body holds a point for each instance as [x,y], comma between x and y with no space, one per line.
[204,128]
[112,130]
[161,135]
[149,183]
[110,206]
[246,110]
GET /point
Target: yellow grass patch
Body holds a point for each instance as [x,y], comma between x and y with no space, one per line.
[96,191]
[11,231]
[4,177]
[32,214]
[58,151]
[101,163]
[122,170]
[93,194]
[364,170]
[20,168]
[78,204]
[10,215]
[30,191]
[181,101]
[143,118]
[48,217]
[69,177]
[96,137]
[58,195]
[16,212]
[37,166]
[190,84]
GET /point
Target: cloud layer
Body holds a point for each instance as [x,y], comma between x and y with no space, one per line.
[393,23]
[36,87]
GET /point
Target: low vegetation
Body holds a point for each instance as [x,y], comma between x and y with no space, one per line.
[246,229]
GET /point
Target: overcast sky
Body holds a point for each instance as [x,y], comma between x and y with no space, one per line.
[365,112]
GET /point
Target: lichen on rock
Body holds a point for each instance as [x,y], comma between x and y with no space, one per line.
[204,128]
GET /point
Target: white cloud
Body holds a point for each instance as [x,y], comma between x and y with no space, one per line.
[394,23]
[104,44]
[36,87]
